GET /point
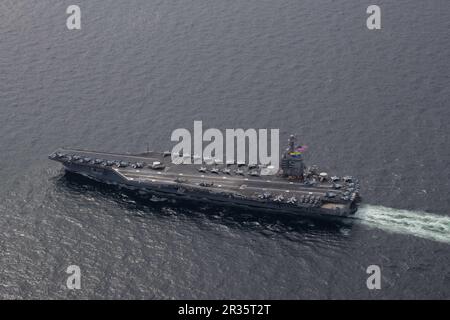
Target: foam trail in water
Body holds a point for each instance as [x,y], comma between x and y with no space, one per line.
[417,223]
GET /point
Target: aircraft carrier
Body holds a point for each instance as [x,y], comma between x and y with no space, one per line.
[294,188]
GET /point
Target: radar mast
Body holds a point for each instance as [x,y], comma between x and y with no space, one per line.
[292,165]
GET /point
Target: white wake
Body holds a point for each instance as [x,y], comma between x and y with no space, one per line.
[421,224]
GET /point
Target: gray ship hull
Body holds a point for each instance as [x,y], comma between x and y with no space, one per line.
[186,182]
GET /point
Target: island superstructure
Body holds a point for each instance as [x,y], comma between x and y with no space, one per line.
[294,188]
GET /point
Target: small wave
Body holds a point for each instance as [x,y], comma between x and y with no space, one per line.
[418,223]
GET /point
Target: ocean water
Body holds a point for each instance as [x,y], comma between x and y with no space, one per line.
[373,104]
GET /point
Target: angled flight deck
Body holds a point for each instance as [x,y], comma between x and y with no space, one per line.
[293,188]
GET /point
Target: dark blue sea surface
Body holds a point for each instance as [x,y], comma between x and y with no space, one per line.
[373,104]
